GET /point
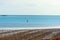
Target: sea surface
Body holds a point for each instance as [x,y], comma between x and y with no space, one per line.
[23,21]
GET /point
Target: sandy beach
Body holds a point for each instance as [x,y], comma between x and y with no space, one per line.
[30,34]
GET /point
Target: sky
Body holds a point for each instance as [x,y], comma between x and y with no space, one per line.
[29,7]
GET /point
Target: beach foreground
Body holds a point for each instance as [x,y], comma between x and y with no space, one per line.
[31,34]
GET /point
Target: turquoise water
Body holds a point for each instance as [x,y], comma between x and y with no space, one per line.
[22,21]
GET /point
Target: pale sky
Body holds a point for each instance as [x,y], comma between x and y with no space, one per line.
[29,7]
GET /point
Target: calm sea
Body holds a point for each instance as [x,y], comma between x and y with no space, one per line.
[23,21]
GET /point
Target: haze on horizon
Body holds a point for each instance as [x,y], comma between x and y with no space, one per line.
[29,7]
